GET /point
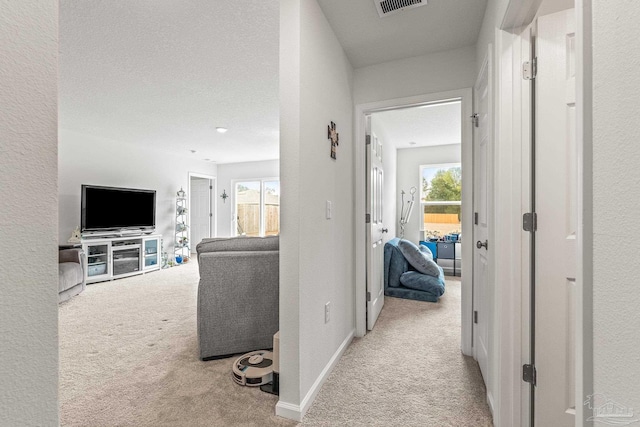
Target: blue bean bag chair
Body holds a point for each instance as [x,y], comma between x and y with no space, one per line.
[401,280]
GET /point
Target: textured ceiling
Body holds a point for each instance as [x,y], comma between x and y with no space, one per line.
[164,74]
[368,39]
[435,124]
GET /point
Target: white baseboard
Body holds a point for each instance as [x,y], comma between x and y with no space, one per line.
[491,405]
[289,410]
[297,412]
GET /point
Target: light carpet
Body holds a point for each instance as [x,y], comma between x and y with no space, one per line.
[128,357]
[408,371]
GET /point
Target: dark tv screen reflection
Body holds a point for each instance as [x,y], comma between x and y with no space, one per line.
[109,208]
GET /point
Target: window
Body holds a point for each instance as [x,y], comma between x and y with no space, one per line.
[257,207]
[440,197]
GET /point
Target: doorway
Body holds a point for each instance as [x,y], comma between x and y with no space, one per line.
[201,208]
[363,111]
[413,188]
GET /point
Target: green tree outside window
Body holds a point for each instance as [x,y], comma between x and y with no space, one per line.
[445,186]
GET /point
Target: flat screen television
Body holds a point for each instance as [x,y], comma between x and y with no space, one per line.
[111,208]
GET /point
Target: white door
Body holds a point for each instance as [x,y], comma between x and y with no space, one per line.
[201,214]
[375,245]
[556,207]
[481,192]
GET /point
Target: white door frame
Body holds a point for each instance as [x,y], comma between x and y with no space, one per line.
[214,202]
[512,190]
[584,264]
[512,193]
[465,95]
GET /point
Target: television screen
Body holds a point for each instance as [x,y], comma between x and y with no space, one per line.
[109,208]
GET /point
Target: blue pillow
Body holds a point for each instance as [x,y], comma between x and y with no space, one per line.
[425,250]
[418,259]
[422,282]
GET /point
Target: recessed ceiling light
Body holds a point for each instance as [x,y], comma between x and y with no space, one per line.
[207,160]
[193,151]
[221,129]
[412,143]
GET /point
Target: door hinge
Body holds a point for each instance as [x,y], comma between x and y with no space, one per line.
[529,374]
[210,213]
[530,221]
[475,218]
[368,296]
[475,119]
[367,140]
[367,218]
[530,69]
[211,187]
[475,317]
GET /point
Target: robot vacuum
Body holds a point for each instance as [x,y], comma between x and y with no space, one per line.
[253,369]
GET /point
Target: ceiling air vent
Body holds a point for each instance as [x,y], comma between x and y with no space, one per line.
[389,7]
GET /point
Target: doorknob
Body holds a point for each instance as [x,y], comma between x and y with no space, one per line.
[385,230]
[479,244]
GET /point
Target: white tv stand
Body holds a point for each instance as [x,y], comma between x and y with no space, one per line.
[109,257]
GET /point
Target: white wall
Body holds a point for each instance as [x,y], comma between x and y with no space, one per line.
[432,73]
[234,171]
[616,225]
[317,254]
[389,163]
[87,159]
[409,162]
[28,225]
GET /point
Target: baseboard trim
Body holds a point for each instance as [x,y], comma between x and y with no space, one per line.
[491,405]
[297,412]
[288,410]
[317,385]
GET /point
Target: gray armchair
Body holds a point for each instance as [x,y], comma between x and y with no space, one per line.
[238,295]
[71,280]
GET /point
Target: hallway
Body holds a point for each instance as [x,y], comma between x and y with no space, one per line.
[408,371]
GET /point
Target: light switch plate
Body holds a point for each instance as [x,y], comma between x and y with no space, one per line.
[329,209]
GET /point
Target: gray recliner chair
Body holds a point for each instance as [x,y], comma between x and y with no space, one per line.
[238,295]
[71,280]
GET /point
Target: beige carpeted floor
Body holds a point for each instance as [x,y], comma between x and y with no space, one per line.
[128,357]
[408,371]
